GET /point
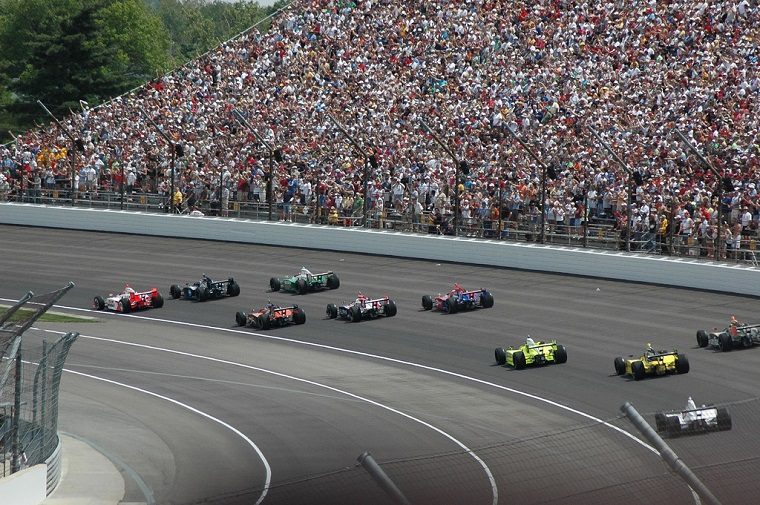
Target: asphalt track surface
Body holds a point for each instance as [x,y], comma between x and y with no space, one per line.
[192,425]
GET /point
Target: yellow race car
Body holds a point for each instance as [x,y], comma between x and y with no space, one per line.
[652,362]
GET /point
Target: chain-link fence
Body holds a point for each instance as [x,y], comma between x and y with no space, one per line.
[30,376]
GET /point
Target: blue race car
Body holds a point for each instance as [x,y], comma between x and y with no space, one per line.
[206,289]
[458,299]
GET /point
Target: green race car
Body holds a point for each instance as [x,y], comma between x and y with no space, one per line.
[305,281]
[531,353]
[652,362]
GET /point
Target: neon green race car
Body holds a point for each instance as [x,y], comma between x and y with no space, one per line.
[533,353]
[652,363]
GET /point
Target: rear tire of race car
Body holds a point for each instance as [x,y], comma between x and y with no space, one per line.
[333,282]
[175,291]
[682,364]
[660,421]
[263,322]
[332,310]
[427,302]
[157,301]
[501,355]
[560,355]
[233,288]
[725,342]
[619,366]
[274,284]
[723,419]
[125,306]
[486,300]
[519,360]
[240,319]
[299,316]
[301,286]
[673,426]
[390,309]
[451,303]
[702,338]
[201,293]
[356,314]
[637,370]
[98,303]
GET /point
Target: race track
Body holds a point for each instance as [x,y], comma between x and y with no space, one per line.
[201,411]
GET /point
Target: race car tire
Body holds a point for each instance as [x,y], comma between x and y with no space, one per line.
[240,318]
[332,310]
[390,309]
[501,355]
[672,426]
[356,314]
[682,364]
[619,366]
[427,302]
[519,360]
[126,307]
[660,421]
[202,293]
[701,338]
[560,355]
[157,301]
[637,370]
[723,419]
[301,286]
[725,342]
[233,288]
[299,316]
[451,303]
[486,300]
[274,284]
[175,291]
[263,322]
[98,303]
[333,282]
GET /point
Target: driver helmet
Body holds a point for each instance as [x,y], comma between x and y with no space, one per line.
[530,341]
[360,297]
[129,290]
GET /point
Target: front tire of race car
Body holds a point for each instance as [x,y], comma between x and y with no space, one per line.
[390,308]
[332,310]
[157,301]
[299,316]
[233,288]
[202,293]
[175,291]
[519,360]
[98,303]
[501,355]
[356,314]
[486,300]
[451,303]
[427,302]
[560,355]
[619,366]
[240,319]
[723,419]
[682,364]
[301,286]
[725,343]
[333,282]
[637,370]
[274,284]
[125,305]
[660,421]
[702,338]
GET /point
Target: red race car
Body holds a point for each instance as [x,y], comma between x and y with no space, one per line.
[458,299]
[129,300]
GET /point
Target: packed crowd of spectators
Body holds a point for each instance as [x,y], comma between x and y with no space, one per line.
[547,69]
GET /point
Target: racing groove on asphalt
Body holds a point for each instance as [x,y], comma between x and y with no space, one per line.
[305,429]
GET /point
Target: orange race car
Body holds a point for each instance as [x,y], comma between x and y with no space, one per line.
[271,316]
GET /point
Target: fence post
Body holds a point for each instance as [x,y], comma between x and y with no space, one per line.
[667,454]
[382,479]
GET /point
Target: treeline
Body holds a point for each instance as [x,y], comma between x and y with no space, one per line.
[64,51]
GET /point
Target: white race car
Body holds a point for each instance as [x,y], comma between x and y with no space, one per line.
[129,300]
[693,419]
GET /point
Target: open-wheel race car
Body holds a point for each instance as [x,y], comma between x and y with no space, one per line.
[651,363]
[205,289]
[305,281]
[693,419]
[458,299]
[531,353]
[736,335]
[363,308]
[129,300]
[271,316]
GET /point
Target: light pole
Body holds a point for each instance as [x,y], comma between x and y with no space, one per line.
[73,149]
[173,148]
[367,161]
[543,180]
[239,117]
[457,168]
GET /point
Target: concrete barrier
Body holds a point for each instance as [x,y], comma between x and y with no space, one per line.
[26,487]
[682,272]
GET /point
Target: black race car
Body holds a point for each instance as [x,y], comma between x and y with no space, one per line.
[205,289]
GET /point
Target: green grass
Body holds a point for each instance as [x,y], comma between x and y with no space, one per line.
[48,317]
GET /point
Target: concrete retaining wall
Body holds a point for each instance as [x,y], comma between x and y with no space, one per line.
[26,487]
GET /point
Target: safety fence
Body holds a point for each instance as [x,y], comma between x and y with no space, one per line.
[595,232]
[30,376]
